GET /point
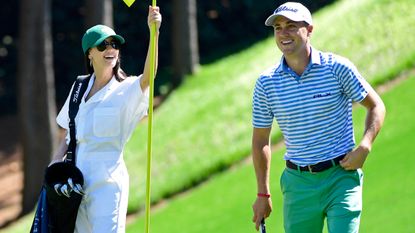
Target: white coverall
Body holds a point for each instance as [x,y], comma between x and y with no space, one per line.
[103,126]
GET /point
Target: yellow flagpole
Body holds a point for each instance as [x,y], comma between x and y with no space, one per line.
[150,123]
[150,116]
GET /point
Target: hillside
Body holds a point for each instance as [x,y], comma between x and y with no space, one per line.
[205,125]
[223,204]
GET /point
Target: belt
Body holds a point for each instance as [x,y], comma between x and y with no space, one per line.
[318,167]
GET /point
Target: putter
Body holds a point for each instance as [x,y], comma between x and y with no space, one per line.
[262,228]
[65,191]
[70,182]
[57,187]
[77,188]
[71,185]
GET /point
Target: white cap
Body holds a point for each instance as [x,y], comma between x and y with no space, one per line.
[291,10]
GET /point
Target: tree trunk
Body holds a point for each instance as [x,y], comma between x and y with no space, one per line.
[99,12]
[185,40]
[36,94]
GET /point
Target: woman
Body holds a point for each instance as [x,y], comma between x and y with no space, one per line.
[109,111]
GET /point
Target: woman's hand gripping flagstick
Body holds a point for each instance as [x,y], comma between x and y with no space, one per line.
[154,21]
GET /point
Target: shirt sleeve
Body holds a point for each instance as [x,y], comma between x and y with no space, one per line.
[351,81]
[63,117]
[137,99]
[262,115]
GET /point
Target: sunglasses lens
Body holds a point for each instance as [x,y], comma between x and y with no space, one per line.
[101,47]
[114,44]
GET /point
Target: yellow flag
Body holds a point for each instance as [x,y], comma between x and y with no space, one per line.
[129,2]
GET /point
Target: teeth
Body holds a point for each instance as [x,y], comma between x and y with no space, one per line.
[284,42]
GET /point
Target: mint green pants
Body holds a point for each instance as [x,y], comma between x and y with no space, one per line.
[309,198]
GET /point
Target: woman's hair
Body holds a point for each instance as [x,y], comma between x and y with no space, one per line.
[120,75]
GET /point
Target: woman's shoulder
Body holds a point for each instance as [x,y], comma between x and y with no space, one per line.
[132,79]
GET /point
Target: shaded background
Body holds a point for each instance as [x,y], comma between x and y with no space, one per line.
[224,27]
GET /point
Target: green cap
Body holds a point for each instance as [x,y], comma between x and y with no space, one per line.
[96,34]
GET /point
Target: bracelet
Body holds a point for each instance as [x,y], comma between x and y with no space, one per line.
[264,195]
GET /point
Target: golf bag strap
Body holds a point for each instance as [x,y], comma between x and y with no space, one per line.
[78,91]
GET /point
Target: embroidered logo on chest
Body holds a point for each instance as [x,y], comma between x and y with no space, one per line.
[321,95]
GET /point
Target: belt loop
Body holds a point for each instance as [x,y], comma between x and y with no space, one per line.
[310,169]
[298,168]
[333,163]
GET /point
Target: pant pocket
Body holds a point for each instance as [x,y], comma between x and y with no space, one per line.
[283,185]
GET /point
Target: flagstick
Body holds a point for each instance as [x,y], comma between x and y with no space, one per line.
[150,122]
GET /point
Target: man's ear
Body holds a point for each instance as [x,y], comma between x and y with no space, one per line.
[310,29]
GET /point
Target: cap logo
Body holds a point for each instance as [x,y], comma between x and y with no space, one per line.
[285,8]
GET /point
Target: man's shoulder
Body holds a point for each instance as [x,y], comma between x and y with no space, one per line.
[270,71]
[333,59]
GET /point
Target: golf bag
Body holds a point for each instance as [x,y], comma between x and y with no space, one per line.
[62,191]
[41,220]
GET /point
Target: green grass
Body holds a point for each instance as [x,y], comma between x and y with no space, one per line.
[389,178]
[205,125]
[223,204]
[371,33]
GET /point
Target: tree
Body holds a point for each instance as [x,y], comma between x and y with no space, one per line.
[36,96]
[185,40]
[99,12]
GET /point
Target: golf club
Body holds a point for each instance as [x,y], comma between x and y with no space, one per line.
[262,228]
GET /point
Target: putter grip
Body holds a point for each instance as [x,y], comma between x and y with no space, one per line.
[262,228]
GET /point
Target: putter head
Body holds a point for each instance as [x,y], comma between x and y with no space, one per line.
[70,183]
[78,189]
[262,228]
[57,188]
[65,190]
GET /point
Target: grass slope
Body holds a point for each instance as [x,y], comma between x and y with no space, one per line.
[202,127]
[223,204]
[205,125]
[371,33]
[389,189]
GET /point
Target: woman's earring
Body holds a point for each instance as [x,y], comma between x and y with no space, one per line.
[90,63]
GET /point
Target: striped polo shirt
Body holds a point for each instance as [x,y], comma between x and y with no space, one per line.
[314,110]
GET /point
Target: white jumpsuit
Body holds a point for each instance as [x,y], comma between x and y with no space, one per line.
[103,126]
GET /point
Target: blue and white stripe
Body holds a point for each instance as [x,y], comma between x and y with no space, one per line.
[314,110]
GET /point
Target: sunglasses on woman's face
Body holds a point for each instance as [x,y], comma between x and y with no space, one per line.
[103,46]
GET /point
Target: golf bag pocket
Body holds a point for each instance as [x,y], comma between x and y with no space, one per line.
[41,219]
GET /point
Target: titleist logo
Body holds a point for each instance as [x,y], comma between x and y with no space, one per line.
[285,8]
[322,95]
[76,95]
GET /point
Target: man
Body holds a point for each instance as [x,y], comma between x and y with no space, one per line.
[310,94]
